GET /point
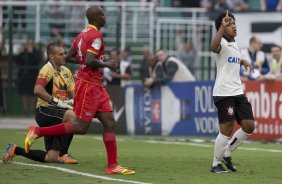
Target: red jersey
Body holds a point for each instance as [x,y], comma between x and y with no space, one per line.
[89,40]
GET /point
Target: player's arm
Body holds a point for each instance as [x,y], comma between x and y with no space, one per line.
[91,61]
[128,74]
[71,56]
[39,91]
[171,70]
[215,44]
[247,65]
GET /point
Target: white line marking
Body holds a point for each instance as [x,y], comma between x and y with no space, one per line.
[79,173]
[196,144]
[206,145]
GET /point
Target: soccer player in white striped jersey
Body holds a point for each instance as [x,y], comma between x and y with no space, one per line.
[228,94]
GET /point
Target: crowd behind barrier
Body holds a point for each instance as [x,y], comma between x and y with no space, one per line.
[187,42]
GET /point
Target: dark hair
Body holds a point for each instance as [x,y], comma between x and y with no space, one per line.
[127,49]
[252,39]
[219,18]
[51,47]
[274,45]
[115,50]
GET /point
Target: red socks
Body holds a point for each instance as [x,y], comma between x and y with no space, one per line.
[109,138]
[56,130]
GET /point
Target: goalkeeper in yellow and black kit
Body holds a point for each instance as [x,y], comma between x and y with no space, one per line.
[55,90]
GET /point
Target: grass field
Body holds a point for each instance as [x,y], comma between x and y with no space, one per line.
[160,162]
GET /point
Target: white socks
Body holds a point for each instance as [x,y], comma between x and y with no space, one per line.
[219,148]
[235,141]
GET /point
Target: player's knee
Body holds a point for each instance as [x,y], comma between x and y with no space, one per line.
[81,130]
[112,126]
[249,126]
[81,127]
[69,116]
[109,126]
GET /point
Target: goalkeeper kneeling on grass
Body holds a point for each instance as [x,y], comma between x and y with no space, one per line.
[55,91]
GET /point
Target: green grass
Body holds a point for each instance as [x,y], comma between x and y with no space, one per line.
[156,162]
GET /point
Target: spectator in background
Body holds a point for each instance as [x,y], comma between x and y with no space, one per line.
[237,5]
[276,65]
[126,55]
[76,17]
[2,44]
[27,60]
[190,3]
[121,75]
[218,5]
[186,52]
[168,68]
[56,17]
[147,66]
[271,5]
[207,4]
[256,57]
[19,11]
[254,5]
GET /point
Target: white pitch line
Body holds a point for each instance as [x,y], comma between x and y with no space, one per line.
[79,173]
[206,145]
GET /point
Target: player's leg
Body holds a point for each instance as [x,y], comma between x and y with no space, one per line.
[64,156]
[105,115]
[66,140]
[84,113]
[53,145]
[109,136]
[226,111]
[78,120]
[244,116]
[12,150]
[44,116]
[109,139]
[220,146]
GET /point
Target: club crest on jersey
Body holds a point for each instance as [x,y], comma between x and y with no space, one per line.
[230,111]
[234,60]
[96,44]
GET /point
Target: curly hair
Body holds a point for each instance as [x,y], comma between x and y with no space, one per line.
[219,18]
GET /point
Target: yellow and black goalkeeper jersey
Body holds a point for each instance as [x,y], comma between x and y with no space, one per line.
[57,83]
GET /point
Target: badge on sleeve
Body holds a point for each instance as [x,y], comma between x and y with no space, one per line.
[96,44]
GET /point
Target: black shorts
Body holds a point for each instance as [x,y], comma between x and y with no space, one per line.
[49,116]
[232,108]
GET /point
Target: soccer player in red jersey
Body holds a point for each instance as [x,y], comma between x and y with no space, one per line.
[91,98]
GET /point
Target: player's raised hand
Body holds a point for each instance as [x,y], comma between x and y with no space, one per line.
[226,21]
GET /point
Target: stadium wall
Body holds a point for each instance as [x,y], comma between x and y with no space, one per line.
[188,109]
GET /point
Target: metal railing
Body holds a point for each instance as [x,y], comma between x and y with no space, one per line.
[128,24]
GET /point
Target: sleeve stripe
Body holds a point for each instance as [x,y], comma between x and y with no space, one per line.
[41,81]
[92,51]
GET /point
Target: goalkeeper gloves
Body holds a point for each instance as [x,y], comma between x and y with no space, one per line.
[61,103]
[70,102]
